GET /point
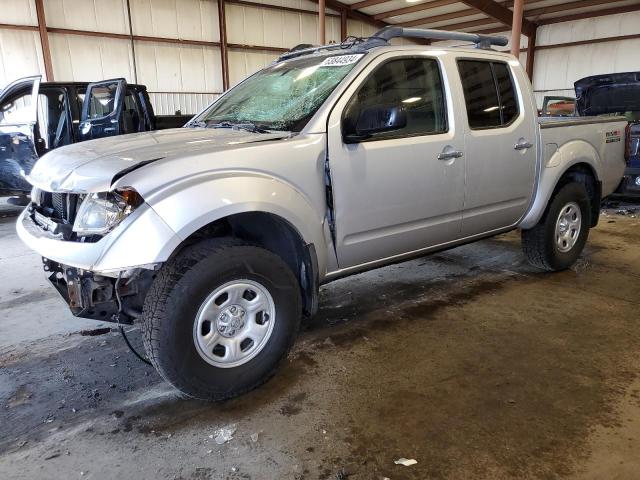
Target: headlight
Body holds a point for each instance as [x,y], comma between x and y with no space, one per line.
[100,213]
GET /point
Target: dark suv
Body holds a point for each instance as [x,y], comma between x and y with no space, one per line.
[64,113]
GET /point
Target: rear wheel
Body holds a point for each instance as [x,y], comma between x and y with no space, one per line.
[220,317]
[556,242]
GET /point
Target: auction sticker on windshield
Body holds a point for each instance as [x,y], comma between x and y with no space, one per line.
[340,60]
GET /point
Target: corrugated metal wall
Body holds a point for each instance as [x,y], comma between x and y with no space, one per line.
[556,69]
[187,77]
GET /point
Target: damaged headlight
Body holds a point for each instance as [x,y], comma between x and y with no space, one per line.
[101,212]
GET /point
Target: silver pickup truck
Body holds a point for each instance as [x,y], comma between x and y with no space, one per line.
[331,161]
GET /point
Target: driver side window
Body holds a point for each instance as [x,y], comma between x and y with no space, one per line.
[412,84]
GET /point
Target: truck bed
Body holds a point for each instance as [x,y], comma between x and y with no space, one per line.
[600,138]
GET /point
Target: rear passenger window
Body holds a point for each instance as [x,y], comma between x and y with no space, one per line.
[508,100]
[415,85]
[489,93]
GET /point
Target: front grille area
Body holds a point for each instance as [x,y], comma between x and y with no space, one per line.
[60,206]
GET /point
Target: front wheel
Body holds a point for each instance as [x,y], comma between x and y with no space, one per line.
[556,242]
[220,317]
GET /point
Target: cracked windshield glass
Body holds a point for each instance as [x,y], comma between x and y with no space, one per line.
[283,96]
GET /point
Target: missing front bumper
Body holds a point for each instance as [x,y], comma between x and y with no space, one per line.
[93,296]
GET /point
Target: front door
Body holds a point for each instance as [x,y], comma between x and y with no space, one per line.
[500,145]
[402,190]
[18,129]
[102,109]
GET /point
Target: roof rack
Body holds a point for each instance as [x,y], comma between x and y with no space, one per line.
[481,41]
[382,37]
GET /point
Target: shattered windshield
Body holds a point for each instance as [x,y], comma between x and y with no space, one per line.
[283,96]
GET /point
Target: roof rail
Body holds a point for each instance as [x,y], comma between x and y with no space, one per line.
[382,37]
[481,41]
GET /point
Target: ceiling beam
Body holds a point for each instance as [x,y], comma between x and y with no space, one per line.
[352,13]
[470,24]
[597,13]
[415,8]
[500,13]
[564,7]
[365,3]
[441,18]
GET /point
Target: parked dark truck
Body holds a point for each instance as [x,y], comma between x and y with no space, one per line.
[616,94]
[64,113]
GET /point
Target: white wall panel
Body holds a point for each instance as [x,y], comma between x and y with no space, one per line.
[18,12]
[356,28]
[184,19]
[301,4]
[243,63]
[86,58]
[273,28]
[20,55]
[168,67]
[556,69]
[589,29]
[186,103]
[93,15]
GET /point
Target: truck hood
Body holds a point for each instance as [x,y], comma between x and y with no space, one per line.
[612,93]
[94,165]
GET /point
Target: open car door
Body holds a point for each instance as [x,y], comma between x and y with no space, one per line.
[18,121]
[102,109]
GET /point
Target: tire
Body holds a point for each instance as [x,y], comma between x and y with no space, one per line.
[540,244]
[176,312]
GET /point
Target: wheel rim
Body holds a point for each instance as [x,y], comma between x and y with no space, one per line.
[234,323]
[568,227]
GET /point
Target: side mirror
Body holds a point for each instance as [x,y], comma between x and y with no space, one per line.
[374,119]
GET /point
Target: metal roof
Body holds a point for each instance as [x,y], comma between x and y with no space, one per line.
[472,16]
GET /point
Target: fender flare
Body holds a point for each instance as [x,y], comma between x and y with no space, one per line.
[214,197]
[566,156]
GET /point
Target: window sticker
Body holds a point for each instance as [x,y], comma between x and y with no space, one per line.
[341,60]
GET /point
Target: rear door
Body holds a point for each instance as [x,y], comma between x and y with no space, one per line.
[500,144]
[102,109]
[18,130]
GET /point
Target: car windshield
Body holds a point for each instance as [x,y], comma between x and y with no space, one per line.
[283,96]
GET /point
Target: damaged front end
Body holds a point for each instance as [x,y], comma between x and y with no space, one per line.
[99,297]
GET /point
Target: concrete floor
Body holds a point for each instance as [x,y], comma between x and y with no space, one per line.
[469,361]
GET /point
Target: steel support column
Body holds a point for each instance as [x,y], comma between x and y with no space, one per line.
[224,53]
[516,27]
[321,22]
[44,40]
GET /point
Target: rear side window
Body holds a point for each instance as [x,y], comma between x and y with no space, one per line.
[489,93]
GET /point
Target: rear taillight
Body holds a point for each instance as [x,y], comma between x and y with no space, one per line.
[627,144]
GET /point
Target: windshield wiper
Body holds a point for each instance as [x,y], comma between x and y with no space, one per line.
[198,123]
[248,126]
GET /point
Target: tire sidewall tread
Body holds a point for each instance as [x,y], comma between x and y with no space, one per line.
[175,296]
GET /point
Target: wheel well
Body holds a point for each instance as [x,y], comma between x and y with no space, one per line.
[583,173]
[275,234]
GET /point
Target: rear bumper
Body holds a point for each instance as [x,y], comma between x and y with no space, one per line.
[142,240]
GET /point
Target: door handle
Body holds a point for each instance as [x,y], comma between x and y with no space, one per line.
[449,155]
[522,145]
